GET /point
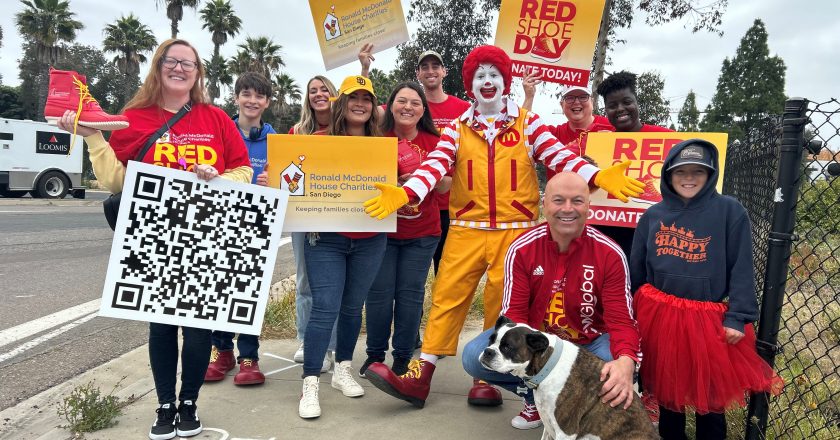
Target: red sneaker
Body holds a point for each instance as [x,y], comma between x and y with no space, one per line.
[546,48]
[413,386]
[249,373]
[651,194]
[220,363]
[68,91]
[528,418]
[652,407]
[484,394]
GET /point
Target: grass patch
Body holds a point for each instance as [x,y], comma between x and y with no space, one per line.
[280,315]
[87,409]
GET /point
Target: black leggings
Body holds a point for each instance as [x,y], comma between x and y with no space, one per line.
[711,426]
[163,356]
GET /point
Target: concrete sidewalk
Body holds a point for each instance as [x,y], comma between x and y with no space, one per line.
[269,411]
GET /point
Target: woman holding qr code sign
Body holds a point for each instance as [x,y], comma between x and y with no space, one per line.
[203,140]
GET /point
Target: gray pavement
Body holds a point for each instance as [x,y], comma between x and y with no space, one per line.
[269,411]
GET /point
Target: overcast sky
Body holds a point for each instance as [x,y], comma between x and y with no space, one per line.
[804,34]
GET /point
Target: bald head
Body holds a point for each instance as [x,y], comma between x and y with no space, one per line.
[567,181]
[566,207]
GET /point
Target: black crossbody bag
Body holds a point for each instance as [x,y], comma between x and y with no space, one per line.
[111,205]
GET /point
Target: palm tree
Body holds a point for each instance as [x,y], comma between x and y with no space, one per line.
[175,11]
[218,73]
[129,39]
[218,18]
[286,92]
[49,24]
[258,54]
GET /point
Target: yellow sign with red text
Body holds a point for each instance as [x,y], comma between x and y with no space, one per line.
[329,177]
[647,151]
[343,27]
[555,37]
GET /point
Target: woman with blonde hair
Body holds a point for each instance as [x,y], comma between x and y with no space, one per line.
[174,83]
[341,266]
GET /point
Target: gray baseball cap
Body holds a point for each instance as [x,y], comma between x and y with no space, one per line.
[429,53]
[695,153]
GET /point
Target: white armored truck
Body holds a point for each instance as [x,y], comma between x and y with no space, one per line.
[34,158]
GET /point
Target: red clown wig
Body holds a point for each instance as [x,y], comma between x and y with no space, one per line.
[486,55]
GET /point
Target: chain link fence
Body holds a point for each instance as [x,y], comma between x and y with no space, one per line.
[808,351]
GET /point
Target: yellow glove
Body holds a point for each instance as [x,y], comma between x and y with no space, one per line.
[383,205]
[613,181]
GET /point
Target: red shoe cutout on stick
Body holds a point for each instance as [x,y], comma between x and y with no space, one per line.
[68,90]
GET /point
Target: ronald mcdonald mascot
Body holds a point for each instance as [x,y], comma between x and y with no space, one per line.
[490,150]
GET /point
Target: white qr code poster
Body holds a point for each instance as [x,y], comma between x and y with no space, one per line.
[193,253]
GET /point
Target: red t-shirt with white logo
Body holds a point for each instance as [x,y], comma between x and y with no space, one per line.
[424,219]
[442,114]
[205,135]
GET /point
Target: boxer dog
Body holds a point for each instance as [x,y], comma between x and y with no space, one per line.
[567,395]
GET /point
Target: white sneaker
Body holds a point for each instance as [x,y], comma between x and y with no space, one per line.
[298,357]
[343,381]
[328,362]
[309,408]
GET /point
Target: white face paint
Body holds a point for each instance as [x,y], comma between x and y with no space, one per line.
[488,85]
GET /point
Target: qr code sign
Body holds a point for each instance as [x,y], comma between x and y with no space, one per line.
[193,253]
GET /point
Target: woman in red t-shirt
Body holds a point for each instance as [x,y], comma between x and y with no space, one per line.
[398,291]
[314,119]
[205,140]
[340,266]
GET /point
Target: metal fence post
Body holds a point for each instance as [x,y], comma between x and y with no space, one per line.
[778,256]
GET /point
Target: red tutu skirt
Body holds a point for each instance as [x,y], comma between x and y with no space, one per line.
[688,363]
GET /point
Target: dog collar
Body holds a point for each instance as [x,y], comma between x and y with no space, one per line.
[534,382]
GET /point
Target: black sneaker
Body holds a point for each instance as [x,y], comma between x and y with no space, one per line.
[164,426]
[188,423]
[368,361]
[400,365]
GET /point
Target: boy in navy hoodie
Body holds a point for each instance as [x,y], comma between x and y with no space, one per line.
[253,94]
[692,270]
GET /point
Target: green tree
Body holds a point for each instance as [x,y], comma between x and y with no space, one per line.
[10,103]
[653,107]
[286,92]
[383,84]
[689,116]
[257,54]
[436,21]
[129,39]
[222,22]
[750,87]
[218,74]
[48,25]
[175,11]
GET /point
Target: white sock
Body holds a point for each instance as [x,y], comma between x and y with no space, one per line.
[430,358]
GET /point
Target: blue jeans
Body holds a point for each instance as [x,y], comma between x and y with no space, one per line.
[249,345]
[469,358]
[341,271]
[303,296]
[397,295]
[163,357]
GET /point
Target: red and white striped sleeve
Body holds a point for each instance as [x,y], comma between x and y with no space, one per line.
[544,147]
[516,296]
[437,164]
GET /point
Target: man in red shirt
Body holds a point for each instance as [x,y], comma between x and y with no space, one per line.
[568,279]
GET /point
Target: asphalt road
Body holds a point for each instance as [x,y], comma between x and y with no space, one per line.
[53,257]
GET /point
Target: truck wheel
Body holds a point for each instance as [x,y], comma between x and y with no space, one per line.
[52,185]
[12,194]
